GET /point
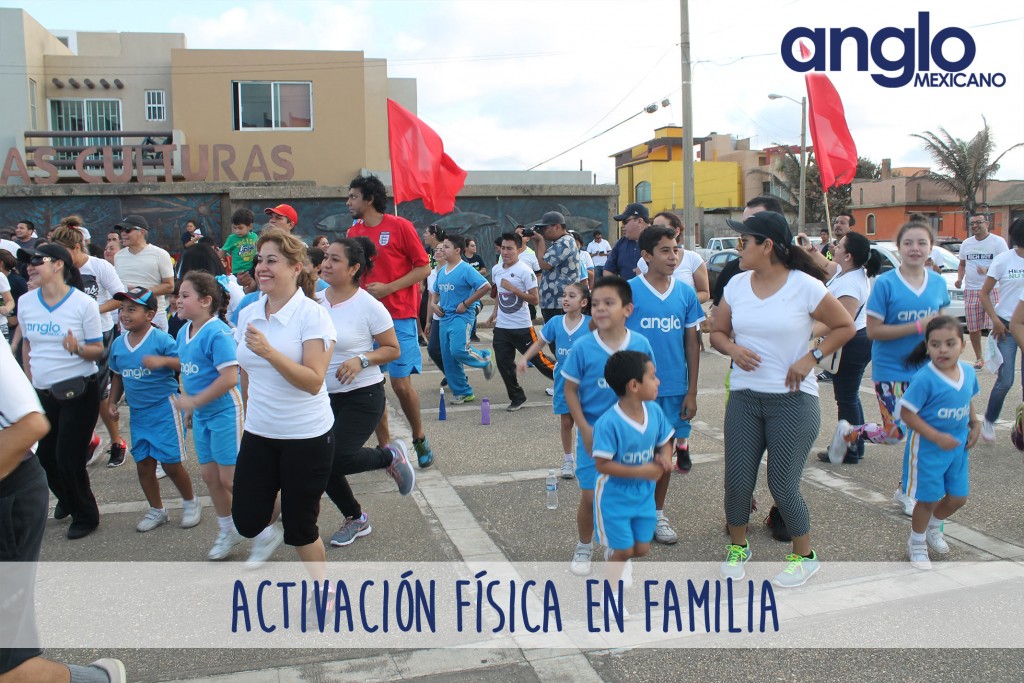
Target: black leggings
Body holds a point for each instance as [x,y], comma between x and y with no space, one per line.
[297,468]
[356,415]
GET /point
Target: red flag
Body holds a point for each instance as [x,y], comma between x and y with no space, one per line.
[419,167]
[834,148]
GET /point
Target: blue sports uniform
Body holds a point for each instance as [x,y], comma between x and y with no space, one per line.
[454,287]
[148,394]
[555,332]
[217,426]
[624,512]
[585,367]
[894,302]
[929,473]
[663,319]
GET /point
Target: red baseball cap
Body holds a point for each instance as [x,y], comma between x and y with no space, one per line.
[284,210]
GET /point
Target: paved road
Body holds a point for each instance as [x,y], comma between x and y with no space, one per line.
[484,500]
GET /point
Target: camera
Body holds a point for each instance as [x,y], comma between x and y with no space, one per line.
[528,232]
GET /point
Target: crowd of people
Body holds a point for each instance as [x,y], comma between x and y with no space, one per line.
[233,337]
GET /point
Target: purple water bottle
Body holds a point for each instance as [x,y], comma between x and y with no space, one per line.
[441,414]
[485,411]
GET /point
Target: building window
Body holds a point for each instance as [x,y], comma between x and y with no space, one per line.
[271,105]
[893,194]
[861,202]
[643,192]
[85,115]
[33,111]
[156,105]
[871,224]
[766,187]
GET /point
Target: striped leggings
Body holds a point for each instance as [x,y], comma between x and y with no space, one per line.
[787,424]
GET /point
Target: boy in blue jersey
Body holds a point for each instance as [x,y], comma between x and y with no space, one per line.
[632,450]
[456,290]
[588,395]
[667,312]
[158,434]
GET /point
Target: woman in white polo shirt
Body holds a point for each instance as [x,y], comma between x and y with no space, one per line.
[63,339]
[285,342]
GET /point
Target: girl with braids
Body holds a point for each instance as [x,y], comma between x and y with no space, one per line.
[355,383]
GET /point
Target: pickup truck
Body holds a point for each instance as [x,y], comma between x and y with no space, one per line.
[717,244]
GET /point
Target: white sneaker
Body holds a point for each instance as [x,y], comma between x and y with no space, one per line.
[664,533]
[226,540]
[114,668]
[160,474]
[550,391]
[580,565]
[152,520]
[936,540]
[918,553]
[988,431]
[192,512]
[905,501]
[837,449]
[568,469]
[262,550]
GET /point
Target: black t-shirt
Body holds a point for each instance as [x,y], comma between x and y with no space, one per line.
[477,261]
[729,270]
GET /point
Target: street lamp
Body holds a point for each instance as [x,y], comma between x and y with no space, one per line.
[801,223]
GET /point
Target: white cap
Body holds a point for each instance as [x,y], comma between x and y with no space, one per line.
[85,232]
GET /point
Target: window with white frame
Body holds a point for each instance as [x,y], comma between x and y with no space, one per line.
[643,192]
[156,105]
[85,116]
[272,105]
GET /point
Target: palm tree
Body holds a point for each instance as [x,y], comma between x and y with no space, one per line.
[965,166]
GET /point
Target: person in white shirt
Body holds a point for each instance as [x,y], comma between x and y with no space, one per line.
[691,269]
[285,341]
[142,264]
[976,254]
[62,340]
[599,248]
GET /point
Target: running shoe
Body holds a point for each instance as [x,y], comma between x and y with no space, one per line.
[226,540]
[459,400]
[824,376]
[117,452]
[580,565]
[400,469]
[550,391]
[191,513]
[489,368]
[114,668]
[350,530]
[515,405]
[797,571]
[59,512]
[424,456]
[936,540]
[664,533]
[152,520]
[918,554]
[93,452]
[839,445]
[735,557]
[683,462]
[568,469]
[262,550]
[988,431]
[904,501]
[160,474]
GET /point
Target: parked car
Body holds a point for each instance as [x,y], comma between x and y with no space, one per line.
[717,244]
[891,259]
[951,245]
[717,262]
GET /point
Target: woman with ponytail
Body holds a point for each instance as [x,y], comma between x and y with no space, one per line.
[63,339]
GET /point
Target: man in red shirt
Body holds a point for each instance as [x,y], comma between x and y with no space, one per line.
[400,265]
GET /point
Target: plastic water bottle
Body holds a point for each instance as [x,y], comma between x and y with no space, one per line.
[485,411]
[441,414]
[552,490]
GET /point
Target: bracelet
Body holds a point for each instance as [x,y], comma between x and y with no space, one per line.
[917,324]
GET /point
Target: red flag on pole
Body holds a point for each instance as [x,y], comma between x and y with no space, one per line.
[419,167]
[834,148]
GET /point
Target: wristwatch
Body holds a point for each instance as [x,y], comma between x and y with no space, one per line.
[817,355]
[364,361]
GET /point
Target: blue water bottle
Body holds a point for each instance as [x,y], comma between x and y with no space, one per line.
[441,414]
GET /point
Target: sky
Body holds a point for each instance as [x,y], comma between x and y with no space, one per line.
[510,84]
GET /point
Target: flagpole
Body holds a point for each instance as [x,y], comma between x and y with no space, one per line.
[828,218]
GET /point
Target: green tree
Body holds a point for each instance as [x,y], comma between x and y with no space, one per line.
[785,183]
[965,166]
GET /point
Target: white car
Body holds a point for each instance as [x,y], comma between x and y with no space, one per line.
[891,259]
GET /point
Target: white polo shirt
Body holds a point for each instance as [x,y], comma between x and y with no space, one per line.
[45,329]
[101,283]
[275,409]
[149,268]
[356,321]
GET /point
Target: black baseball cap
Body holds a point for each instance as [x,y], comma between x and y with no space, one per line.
[768,224]
[139,295]
[50,249]
[634,209]
[133,222]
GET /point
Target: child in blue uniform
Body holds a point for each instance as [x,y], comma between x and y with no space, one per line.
[456,290]
[938,409]
[632,451]
[667,312]
[562,331]
[142,364]
[589,397]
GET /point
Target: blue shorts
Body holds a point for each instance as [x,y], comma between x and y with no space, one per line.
[586,471]
[929,473]
[622,520]
[558,404]
[218,435]
[163,438]
[672,406]
[411,359]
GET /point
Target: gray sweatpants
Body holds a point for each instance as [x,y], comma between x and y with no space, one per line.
[787,424]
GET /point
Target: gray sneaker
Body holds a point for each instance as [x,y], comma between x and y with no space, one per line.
[664,533]
[226,540]
[152,520]
[735,557]
[192,512]
[580,565]
[114,668]
[568,469]
[465,398]
[350,530]
[401,469]
[263,550]
[489,368]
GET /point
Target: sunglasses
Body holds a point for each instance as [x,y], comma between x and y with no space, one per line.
[39,260]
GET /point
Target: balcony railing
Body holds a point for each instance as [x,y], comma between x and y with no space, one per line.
[67,156]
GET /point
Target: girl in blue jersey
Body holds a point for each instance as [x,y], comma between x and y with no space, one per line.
[142,364]
[902,303]
[938,409]
[563,331]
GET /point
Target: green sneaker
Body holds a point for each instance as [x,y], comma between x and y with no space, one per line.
[459,400]
[797,571]
[735,557]
[424,456]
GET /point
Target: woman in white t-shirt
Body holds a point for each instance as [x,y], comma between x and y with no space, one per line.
[856,263]
[62,340]
[1006,272]
[764,323]
[285,342]
[366,340]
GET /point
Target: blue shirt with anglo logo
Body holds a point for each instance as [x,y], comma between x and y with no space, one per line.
[144,388]
[942,403]
[894,302]
[619,438]
[455,286]
[663,319]
[203,356]
[585,367]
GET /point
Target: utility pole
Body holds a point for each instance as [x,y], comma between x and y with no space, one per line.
[689,203]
